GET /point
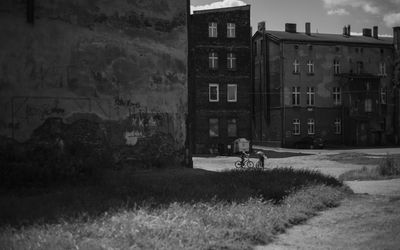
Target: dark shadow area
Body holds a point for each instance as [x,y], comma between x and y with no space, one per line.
[127,188]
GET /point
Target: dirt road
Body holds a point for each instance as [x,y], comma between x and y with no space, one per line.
[369,219]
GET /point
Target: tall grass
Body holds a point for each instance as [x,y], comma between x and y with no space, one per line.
[201,225]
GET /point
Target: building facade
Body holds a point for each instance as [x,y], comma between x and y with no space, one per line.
[122,63]
[219,78]
[335,86]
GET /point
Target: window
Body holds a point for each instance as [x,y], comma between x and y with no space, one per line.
[212,30]
[296,126]
[311,126]
[232,127]
[231,61]
[310,65]
[213,60]
[383,95]
[368,105]
[296,67]
[382,69]
[295,96]
[213,124]
[230,30]
[360,67]
[232,93]
[213,92]
[338,126]
[337,99]
[336,67]
[310,96]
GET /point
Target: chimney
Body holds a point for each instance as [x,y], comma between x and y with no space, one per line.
[290,27]
[308,29]
[367,32]
[345,31]
[348,30]
[396,38]
[261,27]
[375,33]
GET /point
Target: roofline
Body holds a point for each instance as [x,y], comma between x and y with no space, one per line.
[277,39]
[244,7]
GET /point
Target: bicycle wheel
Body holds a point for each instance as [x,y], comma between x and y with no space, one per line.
[249,164]
[238,164]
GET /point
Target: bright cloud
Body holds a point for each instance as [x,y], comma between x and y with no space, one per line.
[392,19]
[339,12]
[367,5]
[217,5]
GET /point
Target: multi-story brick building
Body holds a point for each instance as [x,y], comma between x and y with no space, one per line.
[219,78]
[335,86]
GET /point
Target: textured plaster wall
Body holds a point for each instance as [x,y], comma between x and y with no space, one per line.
[121,60]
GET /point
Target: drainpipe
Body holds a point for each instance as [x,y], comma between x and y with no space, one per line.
[283,112]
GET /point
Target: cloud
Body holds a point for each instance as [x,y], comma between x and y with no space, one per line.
[339,12]
[368,6]
[392,19]
[217,5]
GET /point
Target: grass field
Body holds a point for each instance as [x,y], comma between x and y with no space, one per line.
[169,209]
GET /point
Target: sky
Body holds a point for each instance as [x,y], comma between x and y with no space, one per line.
[325,16]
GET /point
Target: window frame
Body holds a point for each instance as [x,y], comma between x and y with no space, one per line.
[383,95]
[231,60]
[382,69]
[296,126]
[296,67]
[338,126]
[210,126]
[310,96]
[236,126]
[212,30]
[337,95]
[227,92]
[296,91]
[368,105]
[210,86]
[311,126]
[231,30]
[213,60]
[310,67]
[336,67]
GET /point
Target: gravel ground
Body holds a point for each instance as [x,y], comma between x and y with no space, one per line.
[369,219]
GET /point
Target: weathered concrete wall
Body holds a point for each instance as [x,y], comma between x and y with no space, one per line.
[121,60]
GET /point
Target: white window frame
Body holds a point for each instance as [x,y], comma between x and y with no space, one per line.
[382,69]
[213,60]
[311,126]
[337,96]
[231,30]
[383,95]
[210,87]
[296,96]
[368,105]
[336,67]
[296,66]
[310,66]
[231,60]
[310,96]
[230,86]
[338,126]
[212,29]
[296,127]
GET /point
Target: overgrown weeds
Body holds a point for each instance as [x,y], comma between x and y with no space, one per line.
[209,224]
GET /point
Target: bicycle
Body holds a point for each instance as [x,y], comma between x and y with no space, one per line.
[247,163]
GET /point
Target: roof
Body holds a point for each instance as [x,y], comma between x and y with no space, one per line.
[244,7]
[326,38]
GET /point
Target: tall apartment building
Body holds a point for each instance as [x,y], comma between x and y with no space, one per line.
[335,86]
[219,78]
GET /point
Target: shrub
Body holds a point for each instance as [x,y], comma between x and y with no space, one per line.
[389,166]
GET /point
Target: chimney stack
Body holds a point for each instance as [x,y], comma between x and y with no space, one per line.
[261,27]
[375,33]
[290,27]
[348,30]
[344,30]
[308,29]
[396,38]
[367,32]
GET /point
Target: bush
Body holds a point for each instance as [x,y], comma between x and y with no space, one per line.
[389,166]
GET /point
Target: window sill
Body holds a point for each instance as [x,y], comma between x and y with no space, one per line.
[296,73]
[310,74]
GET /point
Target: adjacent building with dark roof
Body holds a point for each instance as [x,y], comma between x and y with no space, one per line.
[335,86]
[219,78]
